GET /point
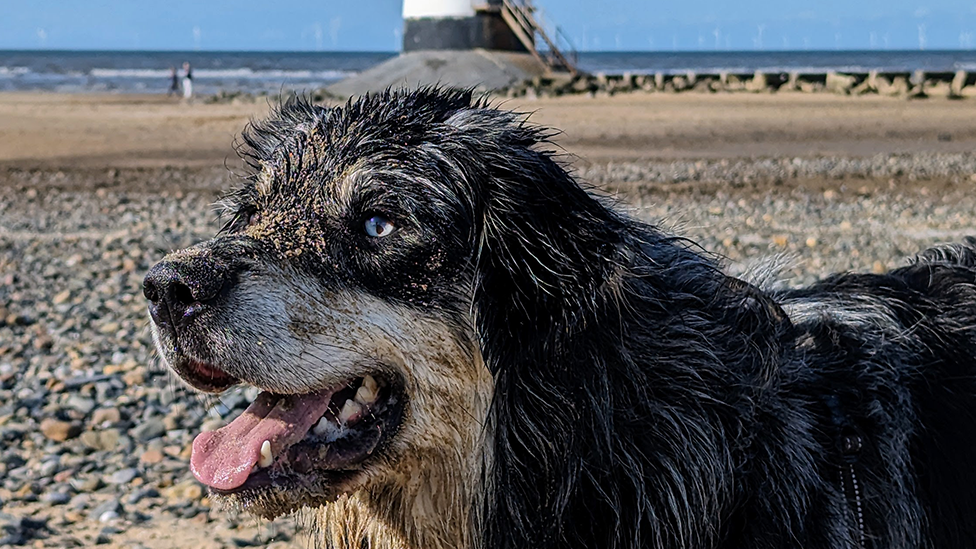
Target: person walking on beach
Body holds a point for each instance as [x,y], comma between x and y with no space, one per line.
[187,81]
[174,83]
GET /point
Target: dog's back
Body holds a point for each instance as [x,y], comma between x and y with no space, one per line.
[834,416]
[890,366]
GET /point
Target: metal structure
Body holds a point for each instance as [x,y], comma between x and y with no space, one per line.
[527,23]
[500,25]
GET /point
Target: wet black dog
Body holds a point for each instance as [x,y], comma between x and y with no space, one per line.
[459,346]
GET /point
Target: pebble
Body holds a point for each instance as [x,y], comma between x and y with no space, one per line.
[105,534]
[106,440]
[48,468]
[59,431]
[108,516]
[142,493]
[185,490]
[80,404]
[106,511]
[148,430]
[86,484]
[122,476]
[151,457]
[81,501]
[56,498]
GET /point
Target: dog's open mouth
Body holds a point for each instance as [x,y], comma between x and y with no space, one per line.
[204,377]
[283,440]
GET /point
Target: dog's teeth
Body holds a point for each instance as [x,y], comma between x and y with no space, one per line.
[266,458]
[365,395]
[370,384]
[322,427]
[349,409]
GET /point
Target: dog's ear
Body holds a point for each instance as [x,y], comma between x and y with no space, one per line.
[547,257]
[545,246]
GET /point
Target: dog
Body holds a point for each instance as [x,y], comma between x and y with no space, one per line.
[460,346]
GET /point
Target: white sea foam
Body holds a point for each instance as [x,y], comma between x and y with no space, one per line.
[13,71]
[239,74]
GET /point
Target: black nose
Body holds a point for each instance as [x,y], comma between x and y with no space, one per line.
[179,289]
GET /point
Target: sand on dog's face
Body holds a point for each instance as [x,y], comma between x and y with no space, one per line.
[345,288]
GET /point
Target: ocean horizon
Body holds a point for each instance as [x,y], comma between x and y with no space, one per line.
[106,71]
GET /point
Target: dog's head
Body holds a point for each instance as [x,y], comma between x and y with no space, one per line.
[379,260]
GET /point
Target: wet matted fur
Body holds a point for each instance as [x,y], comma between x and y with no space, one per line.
[561,375]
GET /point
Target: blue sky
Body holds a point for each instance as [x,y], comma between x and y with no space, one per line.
[374,25]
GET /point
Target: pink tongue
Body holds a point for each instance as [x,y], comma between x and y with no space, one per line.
[223,459]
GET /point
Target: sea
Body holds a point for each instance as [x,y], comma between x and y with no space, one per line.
[274,72]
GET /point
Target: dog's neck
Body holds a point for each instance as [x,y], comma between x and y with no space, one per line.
[434,503]
[433,510]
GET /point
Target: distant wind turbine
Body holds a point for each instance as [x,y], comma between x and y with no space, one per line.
[966,40]
[317,31]
[334,25]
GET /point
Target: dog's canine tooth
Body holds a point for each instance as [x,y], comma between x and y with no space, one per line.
[349,409]
[370,384]
[365,395]
[266,458]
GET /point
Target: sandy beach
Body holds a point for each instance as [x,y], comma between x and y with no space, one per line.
[95,188]
[67,131]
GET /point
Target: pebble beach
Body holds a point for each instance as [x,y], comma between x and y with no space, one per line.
[94,190]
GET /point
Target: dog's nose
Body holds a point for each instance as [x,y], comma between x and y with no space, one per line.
[179,289]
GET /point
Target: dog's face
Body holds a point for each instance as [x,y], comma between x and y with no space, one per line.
[341,287]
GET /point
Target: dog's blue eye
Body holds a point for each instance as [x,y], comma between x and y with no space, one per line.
[379,226]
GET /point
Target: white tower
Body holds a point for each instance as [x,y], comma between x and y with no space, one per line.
[483,44]
[457,25]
